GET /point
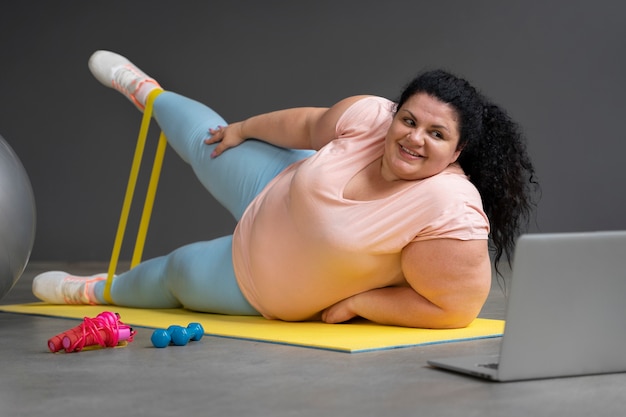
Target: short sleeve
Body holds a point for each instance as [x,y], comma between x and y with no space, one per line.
[369,117]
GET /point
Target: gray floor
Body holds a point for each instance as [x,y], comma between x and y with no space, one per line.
[223,377]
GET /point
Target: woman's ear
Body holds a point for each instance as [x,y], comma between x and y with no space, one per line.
[457,153]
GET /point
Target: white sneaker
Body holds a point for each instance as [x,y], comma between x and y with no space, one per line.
[57,287]
[115,71]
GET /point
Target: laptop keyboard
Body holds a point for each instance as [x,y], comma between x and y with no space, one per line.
[488,365]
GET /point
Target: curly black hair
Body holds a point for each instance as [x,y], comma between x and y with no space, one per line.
[493,156]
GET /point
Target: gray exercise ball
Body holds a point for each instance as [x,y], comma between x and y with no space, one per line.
[17,218]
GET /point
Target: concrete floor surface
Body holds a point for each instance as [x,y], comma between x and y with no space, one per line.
[225,377]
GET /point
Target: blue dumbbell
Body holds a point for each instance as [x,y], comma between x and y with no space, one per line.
[177,335]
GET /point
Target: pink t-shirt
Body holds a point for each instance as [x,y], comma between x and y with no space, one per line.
[301,246]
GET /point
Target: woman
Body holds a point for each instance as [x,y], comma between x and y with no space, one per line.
[364,209]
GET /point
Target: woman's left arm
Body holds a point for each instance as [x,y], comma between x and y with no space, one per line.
[296,128]
[449,282]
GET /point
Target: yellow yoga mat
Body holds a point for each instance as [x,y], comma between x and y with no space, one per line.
[353,337]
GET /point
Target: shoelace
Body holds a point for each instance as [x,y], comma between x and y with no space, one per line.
[105,330]
[75,289]
[125,78]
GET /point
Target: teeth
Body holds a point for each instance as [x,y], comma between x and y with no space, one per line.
[409,151]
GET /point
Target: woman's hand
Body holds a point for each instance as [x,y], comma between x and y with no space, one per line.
[339,312]
[227,136]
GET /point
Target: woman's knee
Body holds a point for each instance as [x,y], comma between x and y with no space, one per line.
[185,123]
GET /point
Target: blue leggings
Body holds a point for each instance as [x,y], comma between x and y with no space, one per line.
[200,276]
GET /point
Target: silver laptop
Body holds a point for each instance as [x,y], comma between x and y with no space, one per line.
[566,310]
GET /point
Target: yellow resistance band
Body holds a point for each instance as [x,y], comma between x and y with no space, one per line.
[130,191]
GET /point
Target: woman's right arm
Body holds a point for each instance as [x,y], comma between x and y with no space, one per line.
[297,128]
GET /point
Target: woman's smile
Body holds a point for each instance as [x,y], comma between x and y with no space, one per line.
[409,152]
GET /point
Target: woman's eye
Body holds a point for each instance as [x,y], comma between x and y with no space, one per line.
[437,134]
[409,122]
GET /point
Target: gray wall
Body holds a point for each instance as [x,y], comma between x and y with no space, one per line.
[557,66]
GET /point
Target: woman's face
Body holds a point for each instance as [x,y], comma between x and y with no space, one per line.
[422,139]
